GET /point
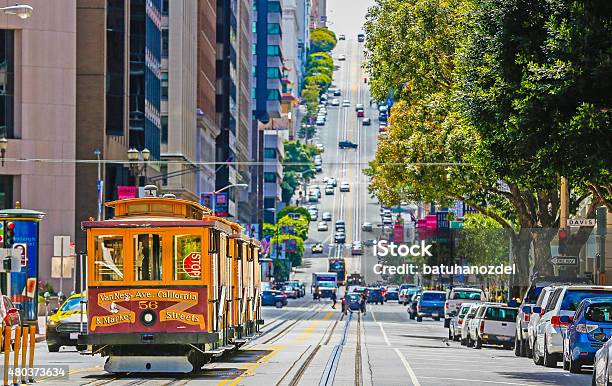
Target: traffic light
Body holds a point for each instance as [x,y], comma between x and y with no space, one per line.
[6,264]
[563,242]
[9,234]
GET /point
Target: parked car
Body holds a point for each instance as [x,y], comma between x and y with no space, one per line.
[493,324]
[63,326]
[273,298]
[347,145]
[431,305]
[360,38]
[345,187]
[317,248]
[522,343]
[412,305]
[454,330]
[366,122]
[602,366]
[535,313]
[341,37]
[326,216]
[337,92]
[465,326]
[550,329]
[458,296]
[589,329]
[341,57]
[374,295]
[322,226]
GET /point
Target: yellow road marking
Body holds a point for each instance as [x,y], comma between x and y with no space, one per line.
[250,368]
[312,326]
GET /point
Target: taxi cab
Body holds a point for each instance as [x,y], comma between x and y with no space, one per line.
[64,325]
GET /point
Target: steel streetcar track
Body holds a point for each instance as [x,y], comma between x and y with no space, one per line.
[327,378]
[286,330]
[96,382]
[300,371]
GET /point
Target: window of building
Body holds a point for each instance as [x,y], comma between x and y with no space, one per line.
[115,67]
[274,51]
[187,257]
[269,153]
[269,177]
[274,6]
[164,86]
[148,257]
[164,129]
[165,7]
[274,29]
[108,258]
[273,95]
[6,192]
[165,43]
[273,73]
[7,76]
[254,49]
[254,28]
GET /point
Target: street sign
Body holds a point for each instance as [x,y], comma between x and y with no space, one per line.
[61,245]
[581,222]
[192,264]
[564,260]
[22,250]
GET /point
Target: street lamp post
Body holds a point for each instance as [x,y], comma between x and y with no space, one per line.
[136,169]
[214,197]
[23,11]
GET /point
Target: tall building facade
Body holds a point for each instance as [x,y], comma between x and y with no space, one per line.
[208,130]
[232,102]
[267,94]
[118,87]
[37,117]
[179,91]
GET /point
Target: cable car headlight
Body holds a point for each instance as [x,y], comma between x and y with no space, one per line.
[148,318]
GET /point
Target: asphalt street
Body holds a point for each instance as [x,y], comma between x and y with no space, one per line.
[309,342]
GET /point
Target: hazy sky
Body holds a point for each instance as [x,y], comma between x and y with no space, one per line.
[347,16]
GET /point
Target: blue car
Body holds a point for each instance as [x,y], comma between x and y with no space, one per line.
[354,302]
[431,305]
[590,328]
[273,298]
[374,295]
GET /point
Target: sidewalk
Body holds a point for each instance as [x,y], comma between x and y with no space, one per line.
[40,334]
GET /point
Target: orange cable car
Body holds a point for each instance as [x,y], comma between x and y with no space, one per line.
[169,286]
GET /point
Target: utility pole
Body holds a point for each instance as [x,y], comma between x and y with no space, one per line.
[602,217]
[564,210]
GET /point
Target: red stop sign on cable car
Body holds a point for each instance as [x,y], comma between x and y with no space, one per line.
[192,264]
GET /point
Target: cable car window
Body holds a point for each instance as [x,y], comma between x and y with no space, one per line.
[148,257]
[187,257]
[108,259]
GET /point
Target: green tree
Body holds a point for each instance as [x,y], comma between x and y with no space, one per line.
[300,225]
[322,40]
[320,59]
[289,185]
[303,212]
[310,96]
[323,81]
